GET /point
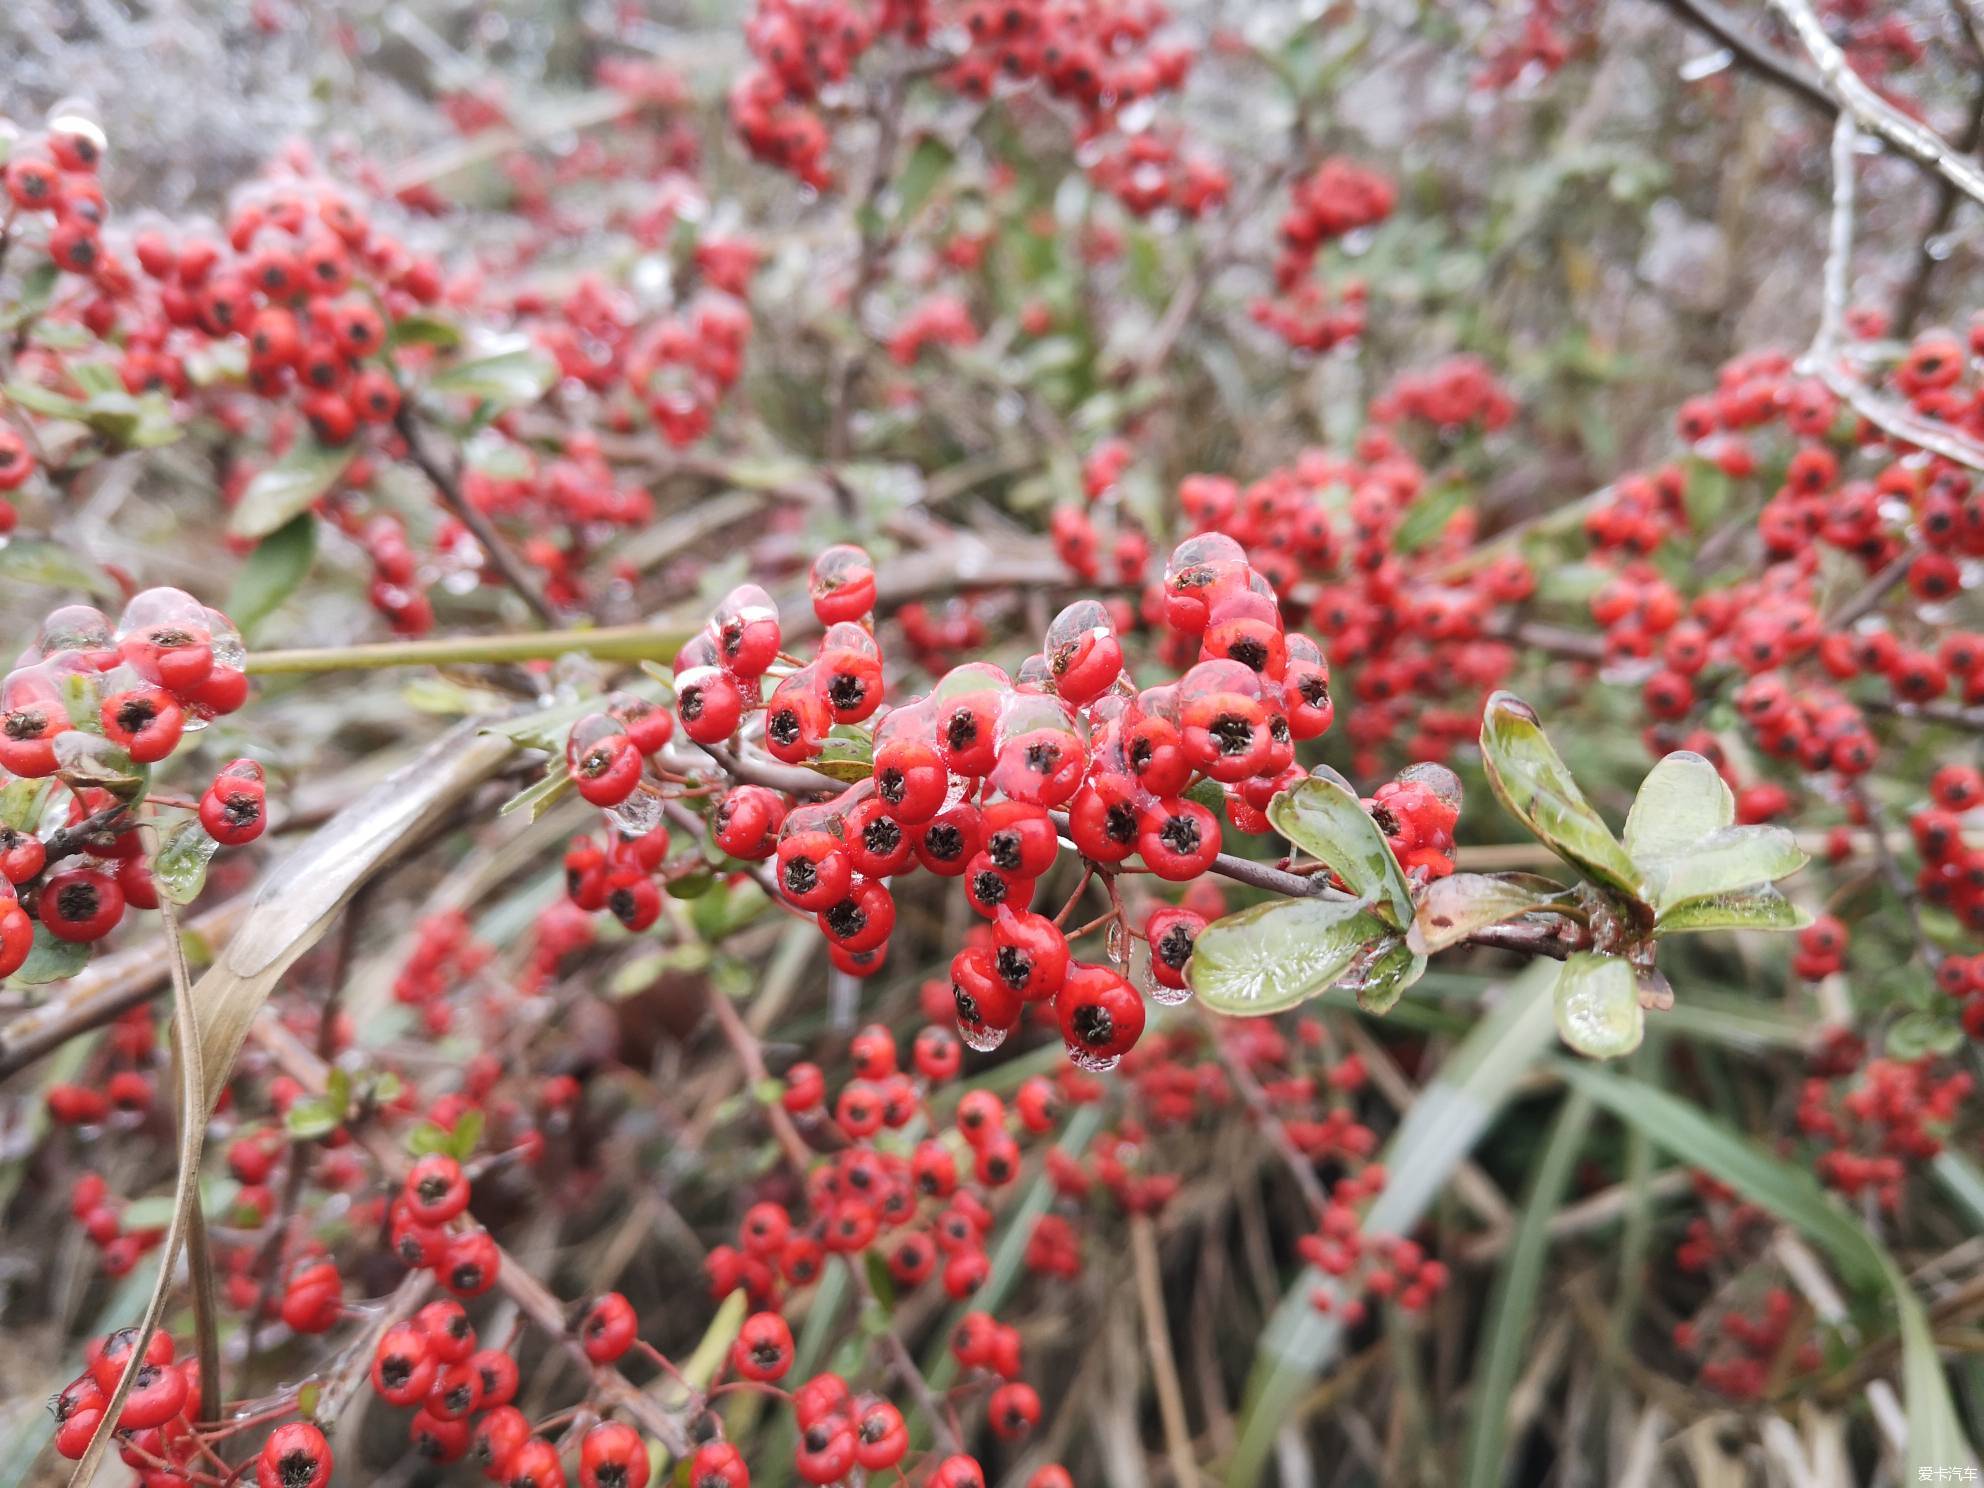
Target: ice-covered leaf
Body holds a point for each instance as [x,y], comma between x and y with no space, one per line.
[1453,908]
[1276,955]
[1758,908]
[1533,783]
[1598,1006]
[1722,863]
[179,868]
[1324,818]
[1682,800]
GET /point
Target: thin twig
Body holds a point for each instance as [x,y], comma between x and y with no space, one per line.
[1157,1340]
[1752,55]
[942,1422]
[448,488]
[1915,141]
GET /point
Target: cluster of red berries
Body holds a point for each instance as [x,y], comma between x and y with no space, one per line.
[51,180]
[1459,393]
[1739,1352]
[1155,171]
[94,706]
[942,319]
[91,1203]
[1535,49]
[1821,948]
[444,956]
[1101,56]
[1336,199]
[1414,620]
[465,1394]
[1880,1121]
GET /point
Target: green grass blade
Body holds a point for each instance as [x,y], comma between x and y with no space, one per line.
[1512,1304]
[1935,1437]
[1449,1117]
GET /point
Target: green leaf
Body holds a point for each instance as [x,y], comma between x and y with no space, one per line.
[1935,1437]
[928,161]
[1209,793]
[846,753]
[52,566]
[426,1139]
[1275,955]
[1428,516]
[508,379]
[1760,908]
[37,290]
[1452,1113]
[1598,1005]
[1531,780]
[1381,973]
[1721,863]
[22,802]
[467,1132]
[179,868]
[421,329]
[1324,818]
[1914,1035]
[272,572]
[287,488]
[45,401]
[1505,1333]
[49,960]
[1682,800]
[540,795]
[312,1120]
[1454,907]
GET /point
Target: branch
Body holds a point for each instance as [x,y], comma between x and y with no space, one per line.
[1752,55]
[941,1421]
[1916,296]
[472,517]
[1157,1338]
[1874,113]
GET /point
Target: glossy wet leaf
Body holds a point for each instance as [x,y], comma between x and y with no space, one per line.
[1382,971]
[1760,908]
[1722,863]
[541,794]
[49,960]
[1531,780]
[508,379]
[1276,955]
[1682,800]
[1597,1001]
[421,329]
[28,560]
[1453,908]
[847,754]
[272,572]
[282,491]
[22,802]
[179,868]
[1324,818]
